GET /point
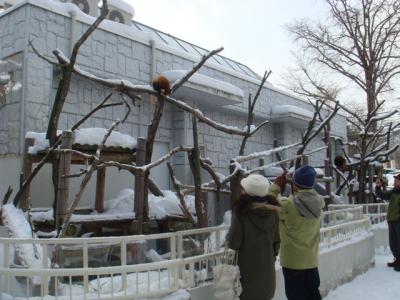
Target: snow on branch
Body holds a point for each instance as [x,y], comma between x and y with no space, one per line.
[382,154]
[149,166]
[241,159]
[261,168]
[180,195]
[199,114]
[383,116]
[125,86]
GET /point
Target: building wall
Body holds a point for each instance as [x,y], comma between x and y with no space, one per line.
[122,56]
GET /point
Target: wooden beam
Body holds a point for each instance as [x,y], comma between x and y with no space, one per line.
[100,187]
[26,171]
[63,181]
[139,183]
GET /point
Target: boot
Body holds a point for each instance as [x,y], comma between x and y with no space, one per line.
[393,264]
[397,268]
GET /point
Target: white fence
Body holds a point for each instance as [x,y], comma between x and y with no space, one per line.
[127,267]
[376,211]
[339,216]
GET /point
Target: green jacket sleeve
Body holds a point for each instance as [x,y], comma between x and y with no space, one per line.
[274,190]
[235,233]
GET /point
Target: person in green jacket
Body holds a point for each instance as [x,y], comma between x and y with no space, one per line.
[254,233]
[393,218]
[299,225]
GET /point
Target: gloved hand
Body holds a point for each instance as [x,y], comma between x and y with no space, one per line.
[281,181]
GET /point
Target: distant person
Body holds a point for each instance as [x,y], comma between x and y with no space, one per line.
[254,234]
[393,218]
[299,225]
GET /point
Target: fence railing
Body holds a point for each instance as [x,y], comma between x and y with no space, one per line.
[344,215]
[131,267]
[332,235]
[376,211]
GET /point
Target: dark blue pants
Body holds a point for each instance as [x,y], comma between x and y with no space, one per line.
[394,238]
[302,284]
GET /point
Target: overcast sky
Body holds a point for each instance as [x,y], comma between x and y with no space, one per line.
[252,32]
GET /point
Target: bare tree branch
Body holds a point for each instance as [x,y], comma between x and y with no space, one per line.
[180,195]
[181,81]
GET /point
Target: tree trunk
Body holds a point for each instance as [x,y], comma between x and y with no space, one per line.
[199,203]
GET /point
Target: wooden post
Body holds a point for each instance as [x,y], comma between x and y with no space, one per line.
[338,179]
[370,184]
[63,181]
[100,187]
[351,194]
[328,174]
[139,184]
[260,164]
[26,171]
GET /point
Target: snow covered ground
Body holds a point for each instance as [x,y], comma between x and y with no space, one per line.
[379,282]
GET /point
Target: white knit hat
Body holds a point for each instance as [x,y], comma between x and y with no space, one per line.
[255,185]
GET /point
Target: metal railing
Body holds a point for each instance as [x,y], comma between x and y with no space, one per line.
[376,211]
[128,270]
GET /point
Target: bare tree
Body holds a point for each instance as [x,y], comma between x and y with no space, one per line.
[359,40]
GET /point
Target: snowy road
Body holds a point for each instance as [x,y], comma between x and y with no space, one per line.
[380,282]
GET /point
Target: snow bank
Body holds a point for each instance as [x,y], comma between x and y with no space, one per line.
[77,293]
[107,286]
[159,207]
[30,255]
[85,136]
[380,282]
[153,256]
[121,207]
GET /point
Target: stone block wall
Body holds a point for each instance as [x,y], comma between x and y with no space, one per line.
[117,55]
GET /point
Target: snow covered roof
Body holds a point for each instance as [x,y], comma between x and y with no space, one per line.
[290,113]
[122,5]
[194,50]
[85,136]
[218,92]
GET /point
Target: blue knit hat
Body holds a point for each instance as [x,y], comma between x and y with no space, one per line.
[304,177]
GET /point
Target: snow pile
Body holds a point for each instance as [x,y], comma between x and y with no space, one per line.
[159,207]
[380,282]
[338,199]
[85,136]
[227,218]
[41,143]
[94,136]
[121,207]
[42,216]
[145,282]
[153,256]
[30,255]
